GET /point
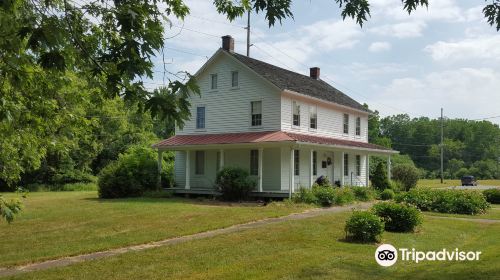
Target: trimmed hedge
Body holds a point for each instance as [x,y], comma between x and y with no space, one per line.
[406,174]
[325,196]
[234,183]
[492,196]
[446,201]
[387,194]
[363,226]
[398,217]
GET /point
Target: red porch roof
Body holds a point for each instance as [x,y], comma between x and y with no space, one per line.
[260,137]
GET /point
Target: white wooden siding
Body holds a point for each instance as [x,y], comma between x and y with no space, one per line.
[227,109]
[329,120]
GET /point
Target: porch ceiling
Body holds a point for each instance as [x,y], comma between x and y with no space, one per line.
[178,141]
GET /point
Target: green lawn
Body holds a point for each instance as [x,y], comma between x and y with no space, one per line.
[56,224]
[492,213]
[436,183]
[305,249]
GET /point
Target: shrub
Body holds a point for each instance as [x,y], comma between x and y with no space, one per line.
[304,196]
[379,179]
[133,173]
[446,201]
[387,194]
[79,187]
[407,175]
[323,181]
[234,183]
[363,226]
[343,195]
[363,193]
[398,217]
[492,195]
[325,196]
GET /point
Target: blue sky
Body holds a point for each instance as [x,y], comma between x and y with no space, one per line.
[444,56]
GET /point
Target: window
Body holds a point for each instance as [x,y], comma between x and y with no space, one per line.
[313,116]
[217,164]
[296,162]
[256,113]
[358,126]
[254,162]
[315,163]
[346,165]
[358,165]
[296,114]
[200,117]
[199,168]
[234,79]
[346,123]
[214,81]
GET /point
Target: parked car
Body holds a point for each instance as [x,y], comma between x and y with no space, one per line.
[468,181]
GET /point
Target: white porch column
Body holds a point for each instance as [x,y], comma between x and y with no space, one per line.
[160,157]
[221,160]
[311,168]
[342,168]
[389,167]
[188,186]
[261,153]
[292,171]
[367,173]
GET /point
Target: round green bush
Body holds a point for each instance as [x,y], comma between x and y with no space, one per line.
[363,193]
[325,196]
[134,172]
[363,226]
[234,183]
[492,195]
[343,196]
[406,174]
[387,194]
[398,217]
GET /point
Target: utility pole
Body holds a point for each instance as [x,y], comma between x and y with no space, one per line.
[442,144]
[248,33]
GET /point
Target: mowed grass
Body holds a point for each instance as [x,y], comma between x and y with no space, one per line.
[57,224]
[436,183]
[305,249]
[493,214]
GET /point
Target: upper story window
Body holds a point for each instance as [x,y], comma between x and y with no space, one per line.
[296,113]
[346,164]
[256,113]
[200,117]
[315,163]
[296,162]
[346,123]
[199,167]
[313,117]
[234,79]
[358,126]
[358,165]
[213,83]
[254,162]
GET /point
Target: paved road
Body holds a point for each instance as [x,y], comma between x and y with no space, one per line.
[478,187]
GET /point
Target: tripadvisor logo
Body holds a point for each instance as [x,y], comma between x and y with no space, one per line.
[387,255]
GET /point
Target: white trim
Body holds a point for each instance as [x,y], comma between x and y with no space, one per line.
[292,172]
[188,177]
[261,153]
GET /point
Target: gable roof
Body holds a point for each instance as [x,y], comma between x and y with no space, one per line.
[288,80]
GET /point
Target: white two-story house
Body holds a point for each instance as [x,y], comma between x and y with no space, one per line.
[285,128]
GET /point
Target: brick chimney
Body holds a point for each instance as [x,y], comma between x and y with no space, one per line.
[314,73]
[228,43]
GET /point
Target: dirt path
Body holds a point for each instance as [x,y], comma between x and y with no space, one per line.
[171,241]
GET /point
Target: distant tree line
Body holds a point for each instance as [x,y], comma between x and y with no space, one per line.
[470,147]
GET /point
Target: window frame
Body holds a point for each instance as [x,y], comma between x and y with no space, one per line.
[313,109]
[214,86]
[199,163]
[295,104]
[254,162]
[237,79]
[296,162]
[358,165]
[258,119]
[345,123]
[358,126]
[346,164]
[198,122]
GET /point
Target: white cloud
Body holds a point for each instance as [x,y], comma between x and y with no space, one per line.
[438,10]
[483,47]
[408,29]
[465,92]
[379,46]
